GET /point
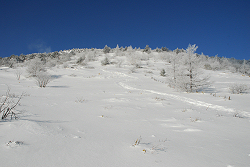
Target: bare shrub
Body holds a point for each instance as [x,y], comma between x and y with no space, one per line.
[163,73]
[137,142]
[237,88]
[80,100]
[8,104]
[43,79]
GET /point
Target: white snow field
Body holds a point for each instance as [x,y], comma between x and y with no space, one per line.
[105,116]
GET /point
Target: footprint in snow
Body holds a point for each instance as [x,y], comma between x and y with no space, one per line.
[73,136]
[191,130]
[188,130]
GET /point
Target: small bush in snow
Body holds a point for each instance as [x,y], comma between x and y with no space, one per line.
[163,73]
[238,115]
[238,88]
[80,100]
[43,79]
[105,61]
[137,142]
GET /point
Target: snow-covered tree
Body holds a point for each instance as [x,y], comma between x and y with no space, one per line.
[35,66]
[215,63]
[225,64]
[90,56]
[117,51]
[158,50]
[186,73]
[245,68]
[43,79]
[165,49]
[174,60]
[106,49]
[147,49]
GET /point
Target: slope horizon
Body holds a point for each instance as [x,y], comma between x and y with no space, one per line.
[48,51]
[100,108]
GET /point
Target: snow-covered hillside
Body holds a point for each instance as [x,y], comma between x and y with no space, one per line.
[123,113]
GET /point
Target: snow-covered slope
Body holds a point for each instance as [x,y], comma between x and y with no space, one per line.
[108,116]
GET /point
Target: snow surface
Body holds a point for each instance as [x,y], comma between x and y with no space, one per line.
[108,116]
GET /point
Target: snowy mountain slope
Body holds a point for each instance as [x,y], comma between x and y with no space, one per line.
[108,116]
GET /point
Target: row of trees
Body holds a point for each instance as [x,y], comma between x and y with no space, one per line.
[184,71]
[54,58]
[147,49]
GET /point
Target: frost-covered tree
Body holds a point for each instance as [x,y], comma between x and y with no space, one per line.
[125,49]
[10,61]
[214,63]
[117,51]
[147,49]
[90,56]
[165,49]
[227,65]
[129,49]
[132,57]
[191,64]
[158,50]
[35,66]
[64,57]
[1,61]
[21,58]
[106,49]
[80,60]
[187,74]
[174,60]
[43,79]
[244,68]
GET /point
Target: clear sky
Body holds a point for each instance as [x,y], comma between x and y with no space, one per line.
[216,26]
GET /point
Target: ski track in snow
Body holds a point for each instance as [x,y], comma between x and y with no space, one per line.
[175,97]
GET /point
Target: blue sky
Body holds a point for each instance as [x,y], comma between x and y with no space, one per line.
[216,26]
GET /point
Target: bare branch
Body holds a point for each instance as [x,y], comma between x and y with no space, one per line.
[8,105]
